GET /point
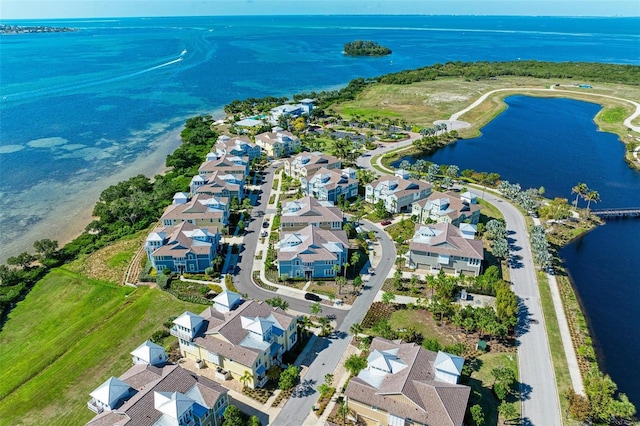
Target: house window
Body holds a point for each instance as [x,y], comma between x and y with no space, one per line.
[192,267]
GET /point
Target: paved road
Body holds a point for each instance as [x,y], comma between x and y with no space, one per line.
[296,410]
[243,270]
[540,403]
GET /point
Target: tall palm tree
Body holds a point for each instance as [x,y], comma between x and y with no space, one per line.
[245,378]
[305,323]
[356,329]
[355,258]
[325,325]
[580,190]
[591,196]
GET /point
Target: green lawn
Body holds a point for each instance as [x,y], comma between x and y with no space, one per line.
[560,366]
[482,380]
[67,337]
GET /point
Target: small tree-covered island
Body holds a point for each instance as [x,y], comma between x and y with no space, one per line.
[365,48]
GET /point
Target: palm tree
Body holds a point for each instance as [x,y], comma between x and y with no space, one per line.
[217,261]
[356,329]
[316,308]
[580,190]
[591,196]
[305,323]
[245,378]
[325,325]
[345,265]
[355,258]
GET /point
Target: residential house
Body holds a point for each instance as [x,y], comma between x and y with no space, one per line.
[312,252]
[328,184]
[182,248]
[449,207]
[404,384]
[398,192]
[237,146]
[149,353]
[218,185]
[228,165]
[278,143]
[303,107]
[306,164]
[306,211]
[202,210]
[442,246]
[160,394]
[237,337]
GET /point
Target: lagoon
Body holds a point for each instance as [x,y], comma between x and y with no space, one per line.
[555,143]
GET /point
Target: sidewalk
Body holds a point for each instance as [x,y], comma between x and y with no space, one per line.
[263,245]
[565,334]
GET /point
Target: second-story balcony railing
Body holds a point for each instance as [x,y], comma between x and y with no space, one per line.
[180,334]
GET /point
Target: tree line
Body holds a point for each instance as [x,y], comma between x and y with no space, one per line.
[365,48]
[122,209]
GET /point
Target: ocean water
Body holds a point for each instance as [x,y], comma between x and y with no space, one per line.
[82,110]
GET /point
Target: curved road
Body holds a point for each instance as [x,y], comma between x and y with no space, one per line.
[331,350]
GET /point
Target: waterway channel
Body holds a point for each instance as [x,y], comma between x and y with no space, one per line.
[555,143]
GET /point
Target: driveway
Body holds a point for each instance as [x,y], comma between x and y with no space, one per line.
[242,279]
[296,410]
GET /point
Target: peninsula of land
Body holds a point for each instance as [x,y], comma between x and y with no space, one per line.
[20,29]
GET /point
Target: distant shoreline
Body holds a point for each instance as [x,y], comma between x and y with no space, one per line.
[21,29]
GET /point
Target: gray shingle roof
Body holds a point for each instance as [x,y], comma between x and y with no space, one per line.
[310,210]
[445,239]
[312,243]
[139,410]
[428,401]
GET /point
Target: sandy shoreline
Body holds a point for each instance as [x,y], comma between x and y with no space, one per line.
[68,216]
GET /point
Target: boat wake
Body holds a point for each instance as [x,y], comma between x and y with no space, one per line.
[87,83]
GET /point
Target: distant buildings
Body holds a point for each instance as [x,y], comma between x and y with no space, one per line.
[239,339]
[306,164]
[156,393]
[406,384]
[278,143]
[398,192]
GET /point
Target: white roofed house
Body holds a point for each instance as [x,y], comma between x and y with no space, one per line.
[278,143]
[235,336]
[398,192]
[158,395]
[201,210]
[449,207]
[237,146]
[306,164]
[442,246]
[183,247]
[405,384]
[312,252]
[329,184]
[218,184]
[306,211]
[149,353]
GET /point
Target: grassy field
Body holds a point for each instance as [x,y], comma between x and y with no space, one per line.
[68,336]
[424,102]
[482,380]
[110,263]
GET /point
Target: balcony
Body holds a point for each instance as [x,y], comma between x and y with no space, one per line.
[185,335]
[93,406]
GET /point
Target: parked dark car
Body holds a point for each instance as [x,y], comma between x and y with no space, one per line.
[385,222]
[265,224]
[312,296]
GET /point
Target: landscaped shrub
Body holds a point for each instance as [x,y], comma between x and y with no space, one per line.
[215,288]
[163,281]
[158,336]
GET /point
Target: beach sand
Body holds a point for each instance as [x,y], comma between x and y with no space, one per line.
[66,207]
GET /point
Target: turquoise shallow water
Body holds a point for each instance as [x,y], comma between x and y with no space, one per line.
[80,110]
